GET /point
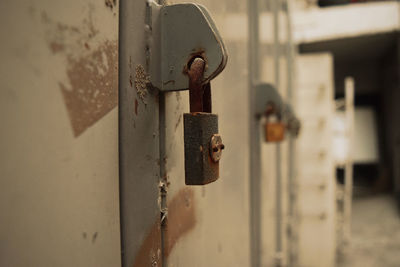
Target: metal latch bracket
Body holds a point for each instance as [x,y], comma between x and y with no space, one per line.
[177,34]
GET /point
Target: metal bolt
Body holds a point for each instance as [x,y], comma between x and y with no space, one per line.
[216,147]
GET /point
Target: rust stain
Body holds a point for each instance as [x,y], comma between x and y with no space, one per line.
[110,3]
[180,220]
[136,106]
[150,252]
[94,86]
[198,52]
[56,47]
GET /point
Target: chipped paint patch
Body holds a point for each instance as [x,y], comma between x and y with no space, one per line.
[180,220]
[93,90]
[141,81]
[72,40]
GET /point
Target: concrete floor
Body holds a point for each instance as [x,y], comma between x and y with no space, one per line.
[375,233]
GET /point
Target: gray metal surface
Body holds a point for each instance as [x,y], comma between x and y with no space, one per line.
[266,94]
[292,231]
[180,32]
[276,6]
[139,144]
[254,135]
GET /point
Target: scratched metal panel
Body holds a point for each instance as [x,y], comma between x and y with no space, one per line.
[209,225]
[59,201]
[139,144]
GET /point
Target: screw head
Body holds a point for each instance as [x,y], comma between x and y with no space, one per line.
[216,147]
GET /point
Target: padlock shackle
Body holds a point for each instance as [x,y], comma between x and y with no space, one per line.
[207,98]
[273,109]
[199,93]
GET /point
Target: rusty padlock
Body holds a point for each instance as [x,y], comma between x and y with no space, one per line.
[203,144]
[274,127]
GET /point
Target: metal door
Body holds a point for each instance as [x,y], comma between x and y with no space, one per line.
[165,222]
[87,141]
[59,202]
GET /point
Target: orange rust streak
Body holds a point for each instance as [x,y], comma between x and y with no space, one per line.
[181,219]
[150,252]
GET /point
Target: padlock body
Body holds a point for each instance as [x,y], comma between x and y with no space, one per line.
[199,127]
[274,132]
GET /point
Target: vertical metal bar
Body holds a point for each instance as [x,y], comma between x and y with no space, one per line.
[120,172]
[207,103]
[278,198]
[163,178]
[196,91]
[163,173]
[137,126]
[255,165]
[348,183]
[292,238]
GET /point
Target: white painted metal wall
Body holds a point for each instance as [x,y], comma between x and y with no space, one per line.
[59,147]
[315,165]
[59,203]
[219,235]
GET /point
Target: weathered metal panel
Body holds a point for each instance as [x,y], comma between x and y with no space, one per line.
[59,201]
[209,225]
[139,143]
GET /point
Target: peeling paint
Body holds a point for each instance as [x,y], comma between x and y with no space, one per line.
[93,90]
[91,67]
[141,81]
[70,39]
